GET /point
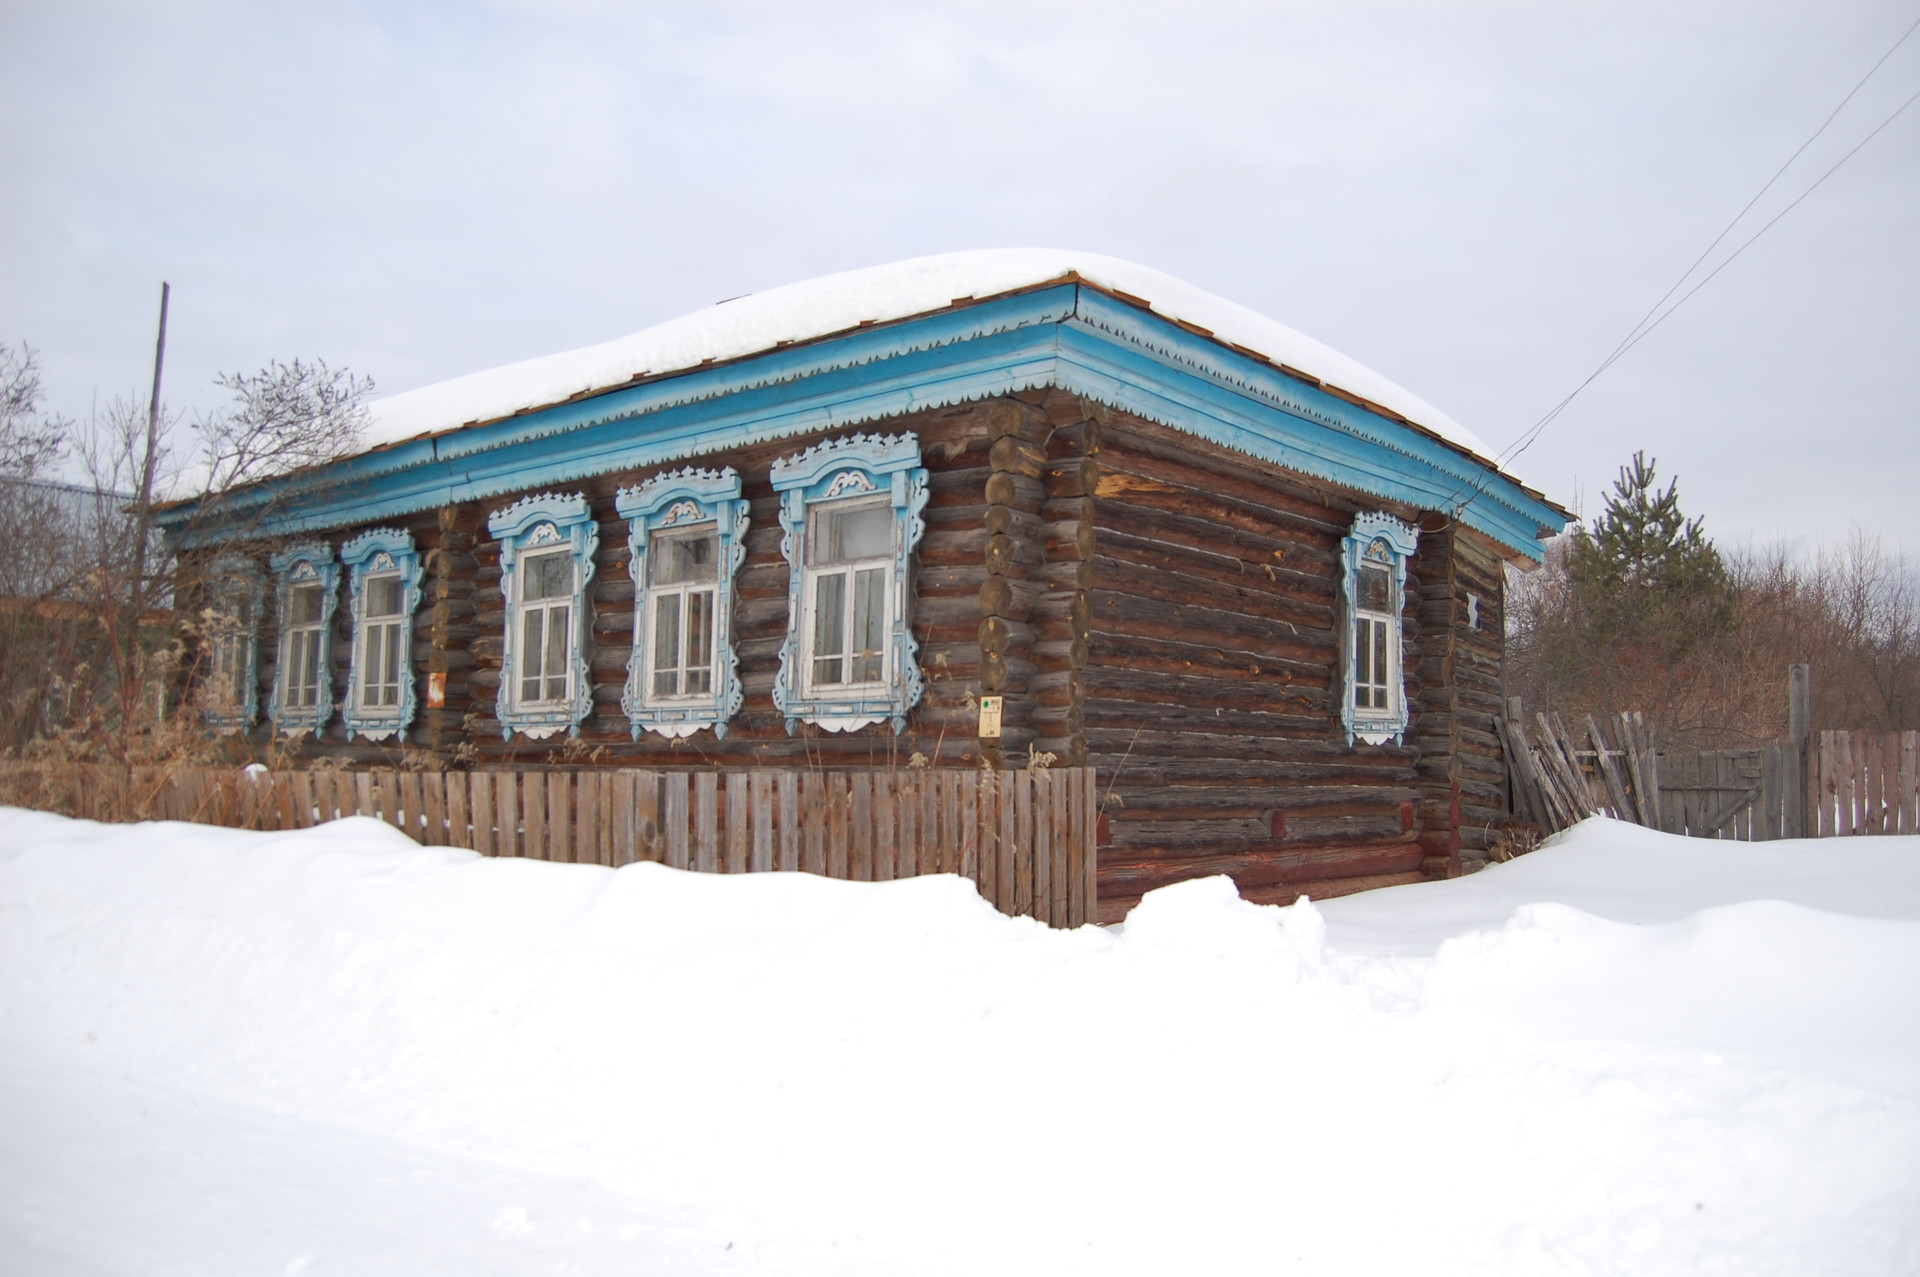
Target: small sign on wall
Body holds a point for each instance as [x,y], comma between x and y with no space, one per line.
[436,691]
[990,717]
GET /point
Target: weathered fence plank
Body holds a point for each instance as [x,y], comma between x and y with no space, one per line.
[1025,838]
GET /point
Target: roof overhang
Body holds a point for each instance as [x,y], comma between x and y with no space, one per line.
[1069,335]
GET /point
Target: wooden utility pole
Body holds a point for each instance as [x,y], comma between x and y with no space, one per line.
[1799,725]
[143,514]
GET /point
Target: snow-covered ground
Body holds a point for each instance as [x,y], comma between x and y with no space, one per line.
[335,1052]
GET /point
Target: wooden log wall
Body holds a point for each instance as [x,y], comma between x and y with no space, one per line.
[1457,696]
[447,585]
[1211,687]
[1062,608]
[1012,556]
[1148,604]
[1024,838]
[975,582]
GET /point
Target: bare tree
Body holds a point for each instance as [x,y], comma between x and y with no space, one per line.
[30,440]
[96,659]
[285,417]
[1851,611]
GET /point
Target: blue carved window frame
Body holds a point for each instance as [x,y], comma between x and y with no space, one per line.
[667,503]
[234,576]
[1377,541]
[529,526]
[302,564]
[860,468]
[375,553]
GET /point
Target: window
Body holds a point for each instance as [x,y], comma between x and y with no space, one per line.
[1374,581]
[849,562]
[384,592]
[303,681]
[680,586]
[234,596]
[547,545]
[546,615]
[851,511]
[1372,615]
[687,535]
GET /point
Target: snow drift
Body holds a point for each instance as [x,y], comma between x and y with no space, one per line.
[1626,1053]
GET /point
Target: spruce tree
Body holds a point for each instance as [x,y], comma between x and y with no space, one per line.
[1647,580]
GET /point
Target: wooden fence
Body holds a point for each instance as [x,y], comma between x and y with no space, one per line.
[1025,838]
[1864,783]
[1840,783]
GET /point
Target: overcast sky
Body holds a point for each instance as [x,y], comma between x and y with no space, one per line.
[1477,200]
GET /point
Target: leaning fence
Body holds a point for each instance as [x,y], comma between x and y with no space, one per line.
[1025,838]
[1836,784]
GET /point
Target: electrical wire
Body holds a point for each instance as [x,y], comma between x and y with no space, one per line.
[1635,338]
[1627,341]
[1655,316]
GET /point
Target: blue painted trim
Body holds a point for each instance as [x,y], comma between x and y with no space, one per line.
[238,567]
[308,561]
[840,469]
[373,552]
[674,500]
[1069,336]
[1290,423]
[1382,539]
[530,524]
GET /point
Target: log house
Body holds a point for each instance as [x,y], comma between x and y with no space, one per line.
[1256,587]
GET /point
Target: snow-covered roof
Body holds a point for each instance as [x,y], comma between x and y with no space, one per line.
[877,294]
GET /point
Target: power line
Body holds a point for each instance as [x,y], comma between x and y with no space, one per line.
[1641,333]
[1649,322]
[1627,341]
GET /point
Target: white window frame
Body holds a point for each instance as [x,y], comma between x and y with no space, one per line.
[856,469]
[380,553]
[812,573]
[667,505]
[533,526]
[233,643]
[1382,542]
[308,564]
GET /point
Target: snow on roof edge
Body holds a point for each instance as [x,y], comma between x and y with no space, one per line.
[813,308]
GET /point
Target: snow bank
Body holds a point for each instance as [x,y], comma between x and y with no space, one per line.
[777,1073]
[834,303]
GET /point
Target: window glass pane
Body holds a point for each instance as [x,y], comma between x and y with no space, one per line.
[700,641]
[559,630]
[829,626]
[375,657]
[396,662]
[869,623]
[1362,655]
[700,627]
[310,670]
[829,614]
[383,596]
[383,653]
[237,671]
[531,635]
[676,560]
[1374,590]
[547,576]
[303,605]
[843,534]
[233,602]
[1380,652]
[666,645]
